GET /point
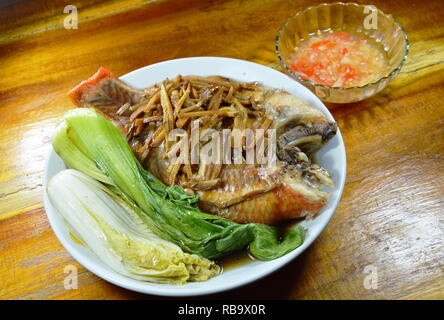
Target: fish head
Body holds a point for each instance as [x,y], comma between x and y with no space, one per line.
[301,129]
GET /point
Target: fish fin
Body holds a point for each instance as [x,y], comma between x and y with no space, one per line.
[76,93]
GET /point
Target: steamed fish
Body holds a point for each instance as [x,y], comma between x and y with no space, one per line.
[292,187]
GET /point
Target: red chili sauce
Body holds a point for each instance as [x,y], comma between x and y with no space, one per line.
[339,59]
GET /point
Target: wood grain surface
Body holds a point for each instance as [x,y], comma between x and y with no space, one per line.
[391,215]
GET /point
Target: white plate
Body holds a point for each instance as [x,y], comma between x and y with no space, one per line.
[331,157]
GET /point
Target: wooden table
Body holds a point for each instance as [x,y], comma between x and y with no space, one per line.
[391,216]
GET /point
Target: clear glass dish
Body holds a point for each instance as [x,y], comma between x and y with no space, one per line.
[349,17]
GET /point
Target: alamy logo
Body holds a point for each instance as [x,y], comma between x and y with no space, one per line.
[70,282]
[71,21]
[371,281]
[371,21]
[222,147]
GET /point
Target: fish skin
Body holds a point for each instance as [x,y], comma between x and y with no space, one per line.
[260,195]
[279,204]
[239,182]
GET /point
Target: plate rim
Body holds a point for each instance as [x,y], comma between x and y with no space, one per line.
[172,290]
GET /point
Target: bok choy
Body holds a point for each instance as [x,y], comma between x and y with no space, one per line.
[88,142]
[116,234]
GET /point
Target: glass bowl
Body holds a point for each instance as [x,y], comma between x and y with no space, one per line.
[349,17]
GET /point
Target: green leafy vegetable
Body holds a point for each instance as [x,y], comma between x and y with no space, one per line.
[90,143]
[117,235]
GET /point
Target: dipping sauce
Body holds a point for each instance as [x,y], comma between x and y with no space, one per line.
[339,59]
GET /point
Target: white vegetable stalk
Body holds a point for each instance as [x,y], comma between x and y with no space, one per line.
[115,233]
